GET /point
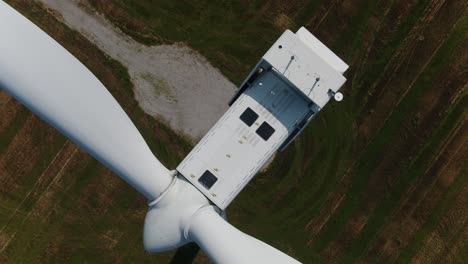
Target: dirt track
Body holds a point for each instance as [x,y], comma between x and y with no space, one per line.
[169,79]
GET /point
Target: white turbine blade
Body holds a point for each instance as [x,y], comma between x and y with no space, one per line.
[48,80]
[225,244]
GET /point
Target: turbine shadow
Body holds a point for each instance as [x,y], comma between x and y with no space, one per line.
[185,254]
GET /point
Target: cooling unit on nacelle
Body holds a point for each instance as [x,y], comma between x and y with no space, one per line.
[292,82]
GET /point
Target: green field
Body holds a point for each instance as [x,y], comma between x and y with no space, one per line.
[378,178]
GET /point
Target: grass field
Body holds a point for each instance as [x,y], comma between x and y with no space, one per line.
[378,178]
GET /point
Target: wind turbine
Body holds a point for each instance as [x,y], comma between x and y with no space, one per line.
[52,83]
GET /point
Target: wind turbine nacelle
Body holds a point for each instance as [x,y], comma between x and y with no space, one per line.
[291,83]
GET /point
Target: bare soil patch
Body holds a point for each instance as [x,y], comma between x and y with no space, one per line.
[172,82]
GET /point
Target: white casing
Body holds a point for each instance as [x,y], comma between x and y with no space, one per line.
[338,97]
[311,61]
[323,51]
[293,81]
[184,215]
[166,221]
[225,244]
[232,150]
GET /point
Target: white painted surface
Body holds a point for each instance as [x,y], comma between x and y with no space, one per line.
[304,67]
[338,97]
[225,244]
[167,221]
[323,51]
[48,80]
[232,150]
[185,215]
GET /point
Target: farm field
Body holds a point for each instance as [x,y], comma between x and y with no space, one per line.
[378,178]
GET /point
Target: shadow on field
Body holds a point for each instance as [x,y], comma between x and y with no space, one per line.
[185,254]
